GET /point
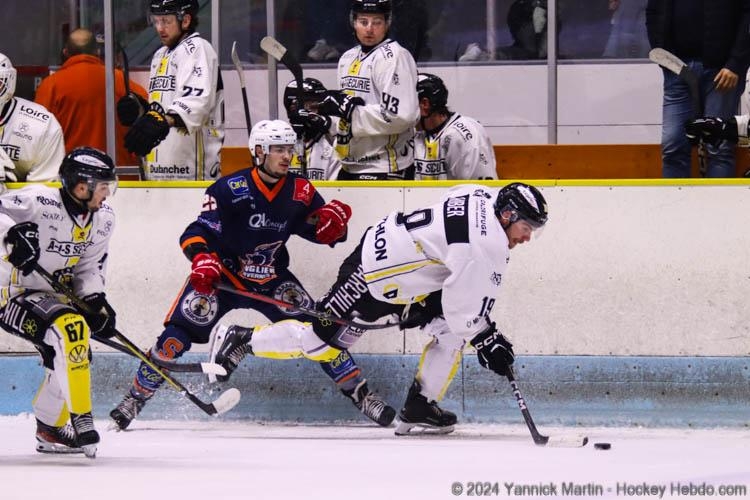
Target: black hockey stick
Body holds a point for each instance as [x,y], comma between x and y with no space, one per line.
[671,62]
[225,402]
[324,316]
[275,49]
[539,438]
[241,75]
[130,95]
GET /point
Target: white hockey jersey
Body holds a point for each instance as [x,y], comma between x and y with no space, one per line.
[457,246]
[381,130]
[186,81]
[74,250]
[461,149]
[33,139]
[316,161]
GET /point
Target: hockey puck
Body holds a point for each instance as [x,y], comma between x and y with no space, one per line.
[602,446]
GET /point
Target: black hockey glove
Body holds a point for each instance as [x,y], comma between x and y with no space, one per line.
[310,126]
[711,130]
[494,351]
[101,318]
[131,107]
[339,104]
[24,238]
[147,132]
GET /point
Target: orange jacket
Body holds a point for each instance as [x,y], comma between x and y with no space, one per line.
[75,95]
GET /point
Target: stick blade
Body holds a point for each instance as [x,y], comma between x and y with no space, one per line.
[667,60]
[572,441]
[213,369]
[235,57]
[273,47]
[226,401]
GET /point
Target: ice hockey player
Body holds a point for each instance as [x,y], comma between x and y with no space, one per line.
[314,156]
[377,102]
[31,138]
[65,231]
[713,130]
[239,238]
[439,267]
[181,131]
[448,145]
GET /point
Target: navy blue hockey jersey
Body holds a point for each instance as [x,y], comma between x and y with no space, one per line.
[247,223]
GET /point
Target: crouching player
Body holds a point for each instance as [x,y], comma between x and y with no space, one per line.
[66,232]
[439,267]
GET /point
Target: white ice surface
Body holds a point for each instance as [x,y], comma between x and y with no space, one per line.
[217,460]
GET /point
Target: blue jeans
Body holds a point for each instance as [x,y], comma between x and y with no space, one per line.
[678,109]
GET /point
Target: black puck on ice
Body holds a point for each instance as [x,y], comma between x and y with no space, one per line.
[602,446]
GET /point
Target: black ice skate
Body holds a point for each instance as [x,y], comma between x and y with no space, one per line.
[51,439]
[423,414]
[229,348]
[127,410]
[86,435]
[373,406]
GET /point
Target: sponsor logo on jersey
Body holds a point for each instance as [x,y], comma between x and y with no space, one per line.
[68,248]
[183,106]
[190,46]
[482,217]
[104,231]
[199,309]
[34,113]
[13,151]
[461,127]
[161,83]
[358,83]
[48,202]
[216,226]
[496,278]
[20,135]
[238,185]
[303,191]
[51,215]
[431,168]
[197,71]
[292,293]
[262,221]
[388,51]
[259,265]
[395,79]
[380,243]
[78,354]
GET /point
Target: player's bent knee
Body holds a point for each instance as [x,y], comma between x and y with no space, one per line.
[291,339]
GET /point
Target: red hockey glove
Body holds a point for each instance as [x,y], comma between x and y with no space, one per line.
[206,273]
[331,221]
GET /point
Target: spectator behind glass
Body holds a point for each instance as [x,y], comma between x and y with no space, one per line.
[712,38]
[76,96]
[627,38]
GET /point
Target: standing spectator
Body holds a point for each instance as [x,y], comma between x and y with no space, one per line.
[627,37]
[712,38]
[377,103]
[181,130]
[448,145]
[76,96]
[314,157]
[30,136]
[65,231]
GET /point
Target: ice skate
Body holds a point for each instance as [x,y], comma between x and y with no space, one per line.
[86,435]
[51,439]
[426,416]
[229,347]
[127,410]
[373,406]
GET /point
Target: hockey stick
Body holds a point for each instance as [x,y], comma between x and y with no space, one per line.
[310,312]
[275,49]
[225,402]
[128,94]
[671,62]
[540,439]
[241,75]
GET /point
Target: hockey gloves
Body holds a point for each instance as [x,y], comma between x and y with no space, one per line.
[330,221]
[339,104]
[100,316]
[309,126]
[711,130]
[206,272]
[147,132]
[130,107]
[494,351]
[24,239]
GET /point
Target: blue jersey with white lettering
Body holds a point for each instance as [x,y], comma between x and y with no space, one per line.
[247,223]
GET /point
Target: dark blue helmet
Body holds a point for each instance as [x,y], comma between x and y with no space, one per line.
[89,165]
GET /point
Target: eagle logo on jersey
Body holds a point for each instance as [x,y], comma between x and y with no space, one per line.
[259,265]
[200,309]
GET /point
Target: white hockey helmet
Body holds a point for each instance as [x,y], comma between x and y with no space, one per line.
[7,80]
[266,133]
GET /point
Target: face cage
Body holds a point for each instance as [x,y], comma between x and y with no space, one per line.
[93,185]
[7,86]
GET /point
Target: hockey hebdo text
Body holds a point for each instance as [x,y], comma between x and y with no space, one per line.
[590,490]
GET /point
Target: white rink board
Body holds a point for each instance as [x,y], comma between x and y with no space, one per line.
[657,270]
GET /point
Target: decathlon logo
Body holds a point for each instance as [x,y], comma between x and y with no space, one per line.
[78,354]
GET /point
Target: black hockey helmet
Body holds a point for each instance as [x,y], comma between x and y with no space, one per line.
[312,90]
[89,165]
[372,7]
[432,88]
[524,201]
[177,7]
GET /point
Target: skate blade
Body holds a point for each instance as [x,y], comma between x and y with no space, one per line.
[114,426]
[216,340]
[57,449]
[421,429]
[89,450]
